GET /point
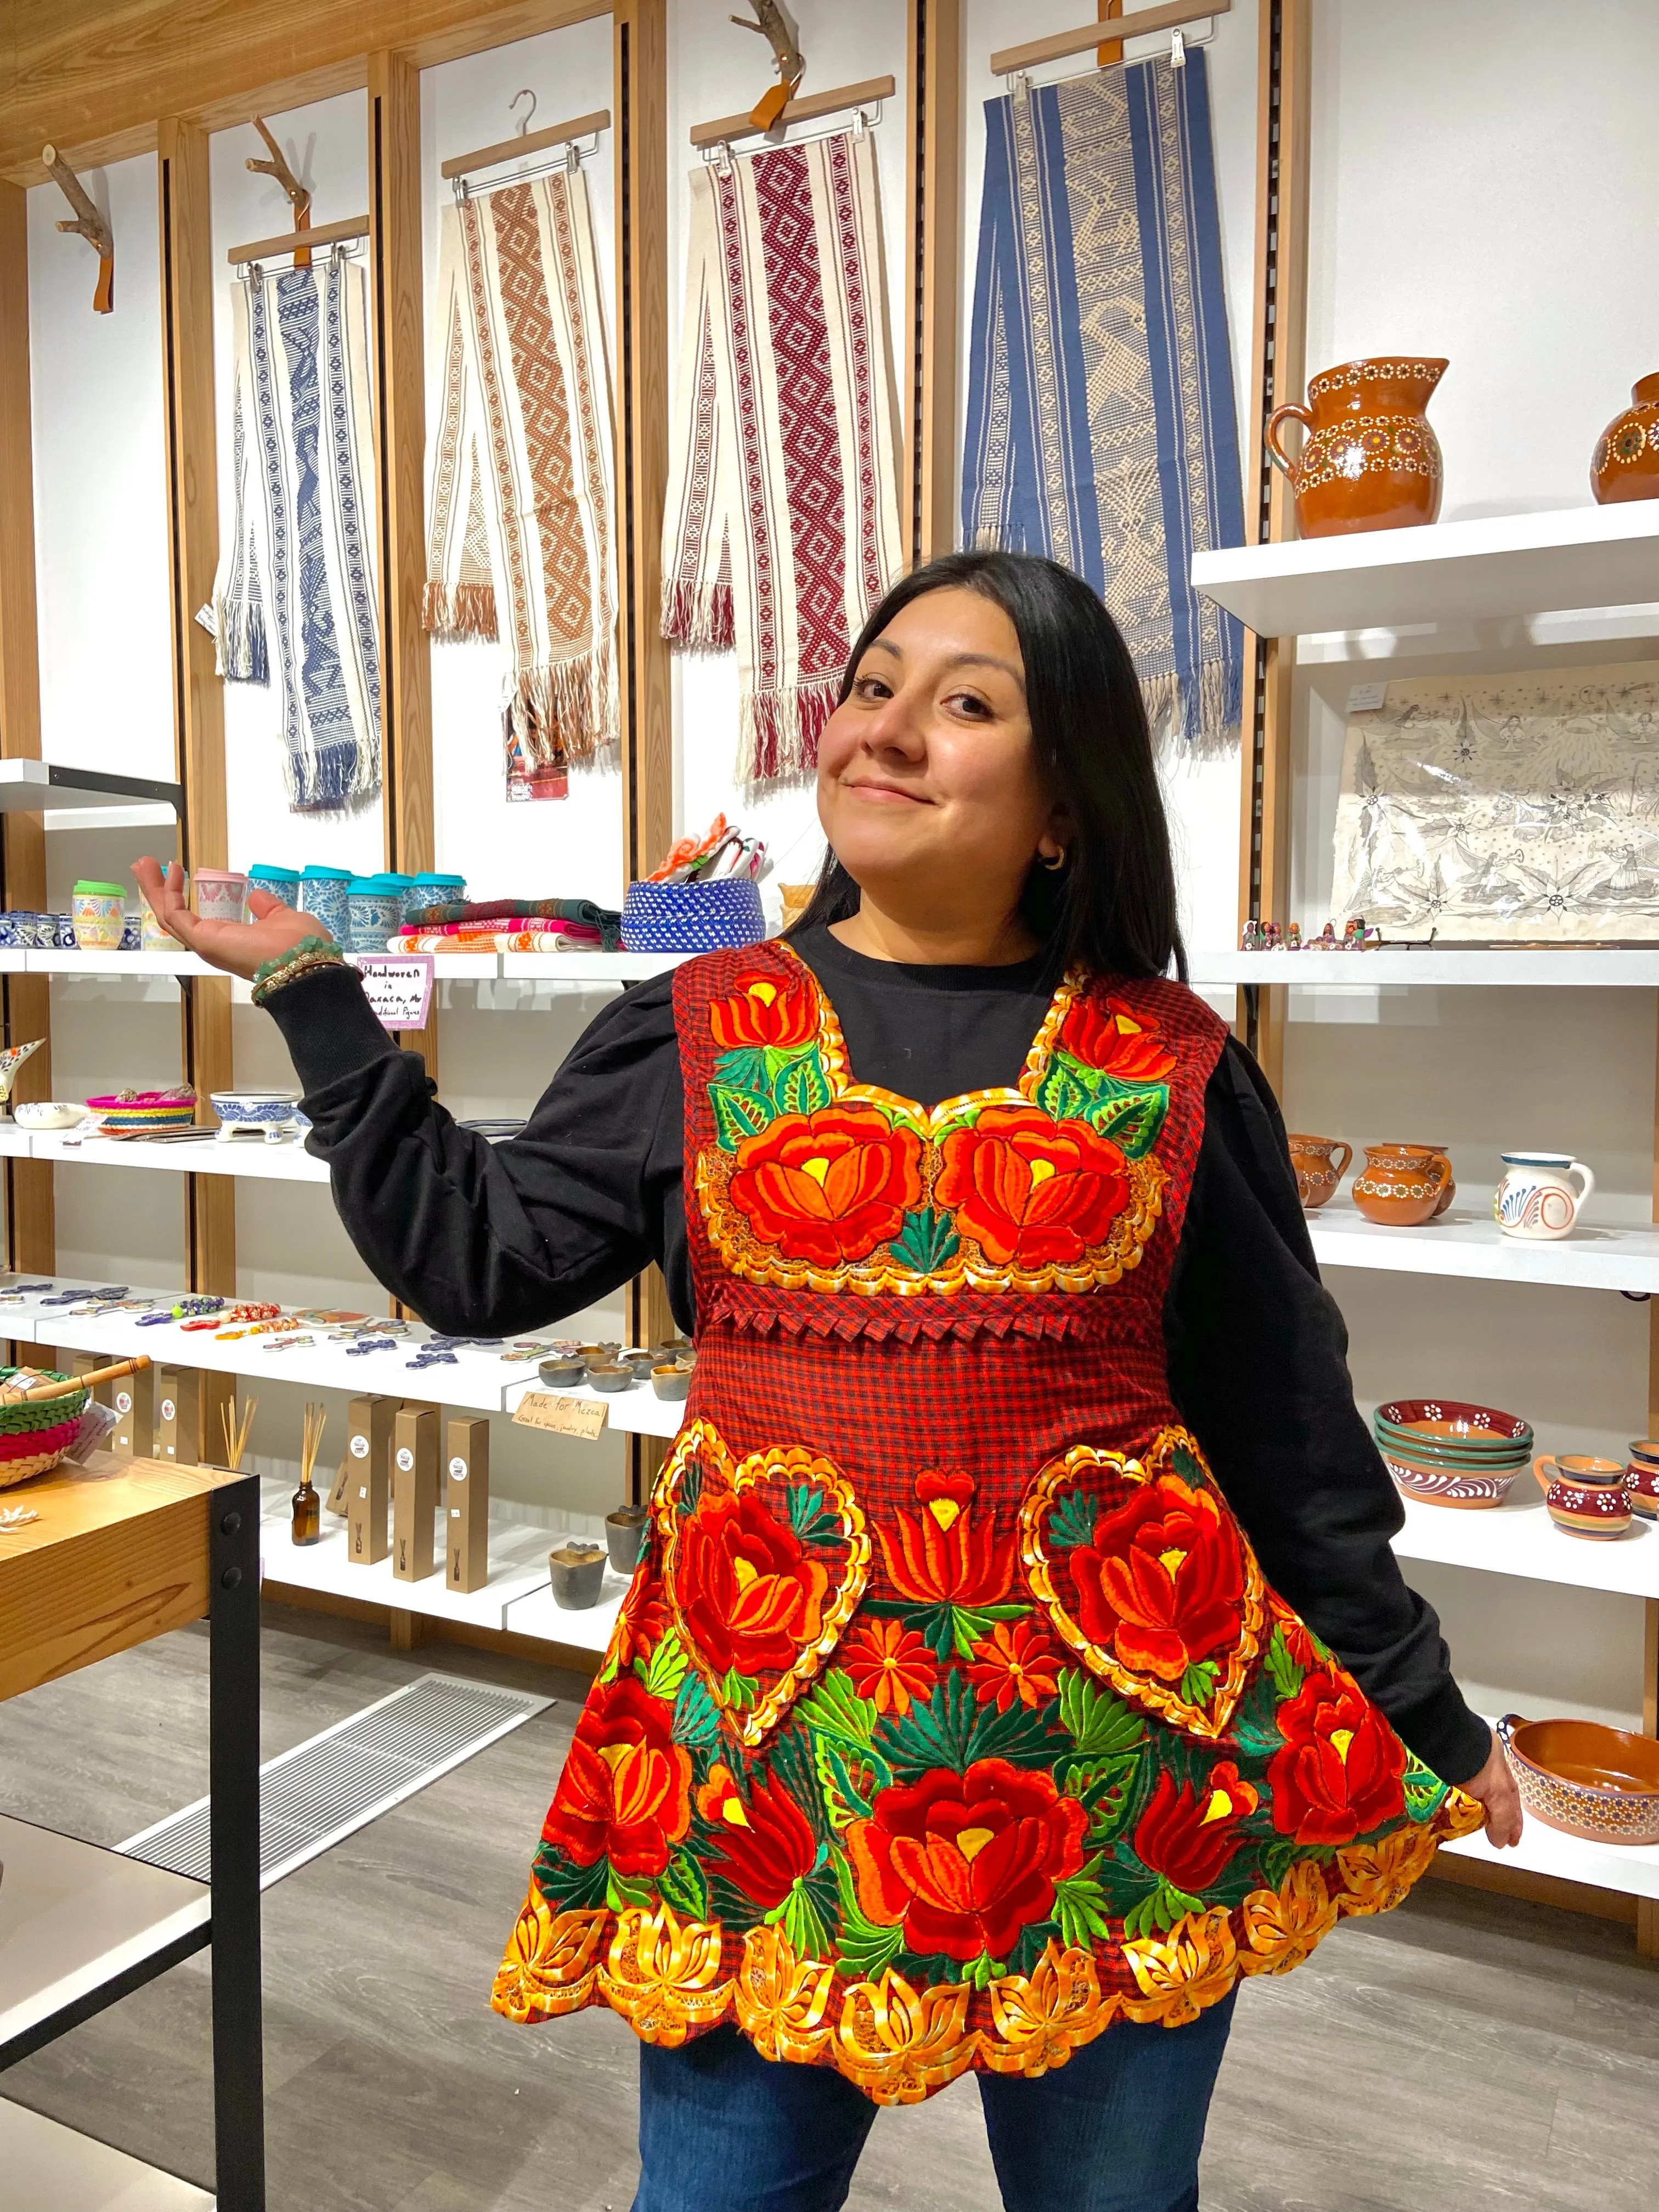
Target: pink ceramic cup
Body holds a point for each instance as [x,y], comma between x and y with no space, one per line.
[221,894]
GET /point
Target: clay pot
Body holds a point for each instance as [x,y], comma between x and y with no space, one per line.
[1370,461]
[1626,463]
[1317,1173]
[578,1574]
[1642,1479]
[671,1383]
[1599,1783]
[1585,1496]
[1536,1200]
[563,1374]
[1403,1186]
[612,1379]
[624,1536]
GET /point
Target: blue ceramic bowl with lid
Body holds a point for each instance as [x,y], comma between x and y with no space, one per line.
[373,907]
[323,893]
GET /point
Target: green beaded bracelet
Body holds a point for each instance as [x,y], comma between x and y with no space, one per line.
[264,973]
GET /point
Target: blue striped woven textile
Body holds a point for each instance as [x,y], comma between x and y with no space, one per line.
[1101,423]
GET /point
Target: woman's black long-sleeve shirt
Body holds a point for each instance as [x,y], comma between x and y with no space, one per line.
[488,1239]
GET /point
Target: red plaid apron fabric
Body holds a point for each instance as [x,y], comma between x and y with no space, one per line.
[949,1717]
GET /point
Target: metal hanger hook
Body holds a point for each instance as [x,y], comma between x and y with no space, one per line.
[513,109]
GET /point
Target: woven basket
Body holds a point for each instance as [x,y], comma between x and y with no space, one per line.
[33,1438]
[692,917]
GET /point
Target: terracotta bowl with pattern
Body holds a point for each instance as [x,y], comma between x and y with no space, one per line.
[1447,1451]
[1469,1488]
[1601,1783]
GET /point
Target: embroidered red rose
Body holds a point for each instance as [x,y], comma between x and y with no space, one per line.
[1188,1835]
[1340,1771]
[966,1861]
[763,1011]
[1102,1032]
[1161,1584]
[766,1841]
[1015,1663]
[749,1591]
[625,1793]
[641,1621]
[1032,1192]
[889,1664]
[828,1188]
[942,1555]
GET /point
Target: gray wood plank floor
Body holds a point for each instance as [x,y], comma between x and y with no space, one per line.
[1461,2051]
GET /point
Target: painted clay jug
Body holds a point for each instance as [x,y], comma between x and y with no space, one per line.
[1403,1186]
[1626,463]
[1584,1497]
[1370,461]
[1317,1173]
[1536,1200]
[1642,1479]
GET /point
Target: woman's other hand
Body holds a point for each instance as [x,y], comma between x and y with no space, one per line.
[1494,1789]
[241,948]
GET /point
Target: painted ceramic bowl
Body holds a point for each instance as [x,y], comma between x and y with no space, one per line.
[255,1109]
[1452,1429]
[1585,1496]
[47,1113]
[1469,1488]
[1641,1475]
[1601,1783]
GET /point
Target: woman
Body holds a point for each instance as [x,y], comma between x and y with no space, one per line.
[1019,1657]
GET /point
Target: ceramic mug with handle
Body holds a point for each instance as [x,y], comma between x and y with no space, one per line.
[1585,1496]
[1318,1171]
[1536,1198]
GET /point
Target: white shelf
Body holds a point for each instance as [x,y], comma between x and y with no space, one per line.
[588,968]
[1596,1257]
[1441,573]
[178,962]
[289,1162]
[15,1144]
[94,800]
[1616,968]
[585,1629]
[1519,1538]
[585,970]
[1632,1868]
[518,1565]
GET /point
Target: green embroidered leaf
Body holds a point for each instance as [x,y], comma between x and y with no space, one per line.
[568,1885]
[972,1624]
[980,1973]
[1132,1118]
[835,1708]
[739,1691]
[1073,1521]
[1197,1683]
[620,1894]
[928,1241]
[802,1923]
[1425,1793]
[687,1495]
[1034,1941]
[1105,1787]
[1189,1467]
[1098,1723]
[667,1668]
[1161,1910]
[738,1114]
[1019,1735]
[810,1518]
[1080,1906]
[1281,1855]
[1067,1089]
[937,1733]
[847,1784]
[1287,1676]
[696,1720]
[682,1883]
[864,1946]
[800,1085]
[745,1069]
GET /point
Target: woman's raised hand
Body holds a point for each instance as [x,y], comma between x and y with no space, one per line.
[241,948]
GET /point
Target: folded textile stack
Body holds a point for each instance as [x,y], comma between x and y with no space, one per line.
[511,925]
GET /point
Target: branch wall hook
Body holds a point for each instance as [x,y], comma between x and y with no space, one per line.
[773,24]
[299,194]
[88,224]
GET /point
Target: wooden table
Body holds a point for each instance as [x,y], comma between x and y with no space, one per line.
[125,1550]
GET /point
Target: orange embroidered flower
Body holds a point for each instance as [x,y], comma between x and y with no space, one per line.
[889,1664]
[1161,1583]
[1015,1662]
[1102,1033]
[1033,1192]
[625,1793]
[828,1186]
[750,1594]
[763,1011]
[942,1555]
[966,1861]
[1340,1771]
[766,1841]
[1188,1835]
[641,1621]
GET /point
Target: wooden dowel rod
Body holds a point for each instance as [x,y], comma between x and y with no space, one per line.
[45,1390]
[326,233]
[533,142]
[727,127]
[1059,45]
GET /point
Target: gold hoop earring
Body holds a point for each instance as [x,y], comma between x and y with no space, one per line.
[1054,866]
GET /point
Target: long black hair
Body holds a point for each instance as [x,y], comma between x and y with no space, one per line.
[1113,906]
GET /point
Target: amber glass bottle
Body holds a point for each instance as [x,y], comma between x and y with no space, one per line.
[307,1522]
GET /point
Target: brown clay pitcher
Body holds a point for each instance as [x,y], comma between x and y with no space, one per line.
[1370,461]
[1626,465]
[1317,1173]
[1403,1186]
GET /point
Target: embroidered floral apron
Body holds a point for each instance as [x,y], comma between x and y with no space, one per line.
[948,1717]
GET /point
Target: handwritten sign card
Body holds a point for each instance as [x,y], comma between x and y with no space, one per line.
[398,985]
[565,1417]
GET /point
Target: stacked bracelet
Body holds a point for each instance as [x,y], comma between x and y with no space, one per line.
[305,958]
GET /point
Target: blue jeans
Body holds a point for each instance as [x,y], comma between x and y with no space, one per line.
[1117,2128]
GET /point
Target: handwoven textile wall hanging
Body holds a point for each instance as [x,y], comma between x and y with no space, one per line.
[295,591]
[1512,808]
[781,528]
[519,546]
[1101,423]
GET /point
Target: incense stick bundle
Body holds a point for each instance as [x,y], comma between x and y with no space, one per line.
[236,1432]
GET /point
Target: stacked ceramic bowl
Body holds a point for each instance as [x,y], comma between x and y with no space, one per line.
[1448,1452]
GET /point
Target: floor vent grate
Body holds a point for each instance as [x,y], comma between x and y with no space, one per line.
[323,1790]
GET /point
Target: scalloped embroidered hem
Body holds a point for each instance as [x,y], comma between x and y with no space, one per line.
[900,2042]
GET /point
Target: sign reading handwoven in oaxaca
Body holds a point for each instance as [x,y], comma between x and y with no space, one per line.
[397,986]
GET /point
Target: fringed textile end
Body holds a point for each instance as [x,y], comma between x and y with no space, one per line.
[456,613]
[698,617]
[339,774]
[780,731]
[240,653]
[566,712]
[1201,718]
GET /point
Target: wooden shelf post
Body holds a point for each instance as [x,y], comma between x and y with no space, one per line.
[934,273]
